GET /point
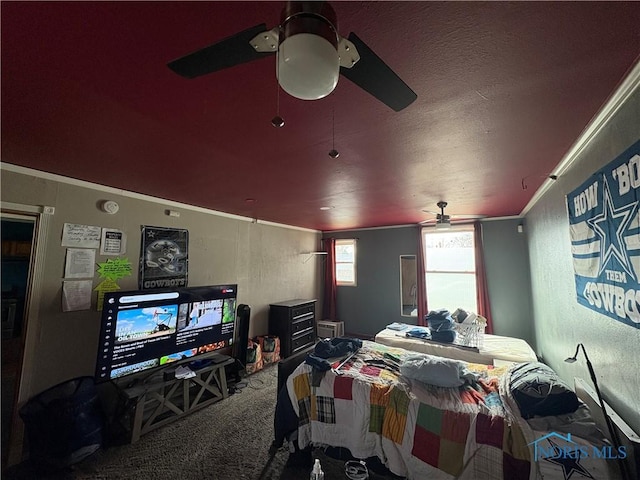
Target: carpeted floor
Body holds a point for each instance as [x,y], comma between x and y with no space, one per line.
[227,440]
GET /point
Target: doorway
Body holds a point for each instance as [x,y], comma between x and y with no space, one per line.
[18,232]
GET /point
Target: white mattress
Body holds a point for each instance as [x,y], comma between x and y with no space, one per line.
[495,347]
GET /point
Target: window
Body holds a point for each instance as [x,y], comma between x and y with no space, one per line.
[450,269]
[346,261]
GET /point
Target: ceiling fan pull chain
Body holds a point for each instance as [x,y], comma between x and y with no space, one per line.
[277,121]
[333,153]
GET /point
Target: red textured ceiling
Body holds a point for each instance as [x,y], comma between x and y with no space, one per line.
[504,89]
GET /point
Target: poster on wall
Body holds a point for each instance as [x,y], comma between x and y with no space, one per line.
[163,257]
[110,272]
[604,222]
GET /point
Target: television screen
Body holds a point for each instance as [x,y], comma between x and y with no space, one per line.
[145,329]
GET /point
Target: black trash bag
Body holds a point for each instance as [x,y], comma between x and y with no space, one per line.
[64,423]
[441,325]
[439,320]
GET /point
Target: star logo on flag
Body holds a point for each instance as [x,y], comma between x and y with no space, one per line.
[610,226]
[570,464]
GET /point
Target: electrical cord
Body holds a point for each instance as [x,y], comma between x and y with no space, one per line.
[356,470]
[237,388]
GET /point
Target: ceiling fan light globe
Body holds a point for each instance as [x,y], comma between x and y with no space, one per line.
[308,66]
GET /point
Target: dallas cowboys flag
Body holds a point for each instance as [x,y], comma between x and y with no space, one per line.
[605,238]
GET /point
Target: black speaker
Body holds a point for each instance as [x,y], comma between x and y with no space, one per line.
[243,313]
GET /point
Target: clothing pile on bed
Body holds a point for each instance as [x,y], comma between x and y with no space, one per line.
[335,347]
[411,331]
[443,326]
[440,327]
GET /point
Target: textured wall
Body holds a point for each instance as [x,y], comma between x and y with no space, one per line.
[560,323]
[375,302]
[265,261]
[507,265]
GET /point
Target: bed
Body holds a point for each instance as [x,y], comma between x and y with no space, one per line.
[493,347]
[420,430]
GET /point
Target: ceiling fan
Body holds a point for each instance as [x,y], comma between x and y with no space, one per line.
[310,56]
[442,220]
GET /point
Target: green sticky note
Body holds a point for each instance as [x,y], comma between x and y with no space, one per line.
[115,268]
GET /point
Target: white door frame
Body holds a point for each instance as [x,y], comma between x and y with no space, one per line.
[42,216]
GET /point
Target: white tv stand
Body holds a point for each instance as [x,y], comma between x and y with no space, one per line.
[159,401]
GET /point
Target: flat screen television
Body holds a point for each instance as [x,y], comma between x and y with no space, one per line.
[147,329]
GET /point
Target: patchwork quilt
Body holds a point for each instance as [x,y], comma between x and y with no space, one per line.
[417,430]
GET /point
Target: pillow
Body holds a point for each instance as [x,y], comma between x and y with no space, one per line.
[538,390]
[438,371]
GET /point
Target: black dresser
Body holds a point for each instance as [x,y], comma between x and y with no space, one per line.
[294,322]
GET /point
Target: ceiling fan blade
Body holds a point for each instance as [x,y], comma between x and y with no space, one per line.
[470,216]
[458,216]
[226,53]
[375,76]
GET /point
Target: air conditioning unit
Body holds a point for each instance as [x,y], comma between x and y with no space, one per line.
[329,329]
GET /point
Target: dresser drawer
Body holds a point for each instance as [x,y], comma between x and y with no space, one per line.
[302,323]
[302,310]
[302,339]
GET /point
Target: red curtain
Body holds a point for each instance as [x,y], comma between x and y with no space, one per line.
[329,301]
[482,291]
[421,284]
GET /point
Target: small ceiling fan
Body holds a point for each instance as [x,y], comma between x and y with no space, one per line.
[310,56]
[443,221]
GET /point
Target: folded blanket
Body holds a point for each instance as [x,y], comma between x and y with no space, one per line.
[433,370]
[397,326]
[419,332]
